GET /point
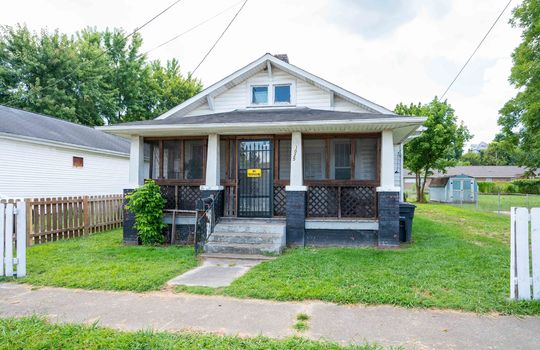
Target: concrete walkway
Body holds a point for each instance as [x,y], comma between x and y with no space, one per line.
[385,325]
[215,272]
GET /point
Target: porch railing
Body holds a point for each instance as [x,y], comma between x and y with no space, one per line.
[341,200]
[205,222]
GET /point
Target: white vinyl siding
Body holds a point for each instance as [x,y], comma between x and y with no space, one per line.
[303,94]
[35,170]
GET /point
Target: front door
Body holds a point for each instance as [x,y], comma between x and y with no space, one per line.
[255,174]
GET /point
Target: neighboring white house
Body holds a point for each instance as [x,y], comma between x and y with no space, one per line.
[41,156]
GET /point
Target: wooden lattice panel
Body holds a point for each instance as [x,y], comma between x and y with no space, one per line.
[280,201]
[322,201]
[168,193]
[188,197]
[358,201]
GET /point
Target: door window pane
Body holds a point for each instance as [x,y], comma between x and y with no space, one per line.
[284,159]
[193,159]
[314,159]
[365,165]
[171,160]
[259,95]
[340,161]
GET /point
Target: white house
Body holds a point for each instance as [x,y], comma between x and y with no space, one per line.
[276,142]
[41,156]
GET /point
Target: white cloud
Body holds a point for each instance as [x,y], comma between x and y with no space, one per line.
[411,59]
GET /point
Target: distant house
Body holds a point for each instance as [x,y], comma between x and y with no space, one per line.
[477,148]
[481,173]
[41,156]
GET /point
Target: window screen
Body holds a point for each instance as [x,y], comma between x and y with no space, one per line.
[154,160]
[340,162]
[171,160]
[284,159]
[314,159]
[193,159]
[365,165]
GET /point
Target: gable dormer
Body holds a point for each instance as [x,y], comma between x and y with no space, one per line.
[272,82]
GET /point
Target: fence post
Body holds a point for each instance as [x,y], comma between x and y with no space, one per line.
[2,216]
[498,203]
[21,239]
[535,250]
[8,241]
[28,209]
[86,216]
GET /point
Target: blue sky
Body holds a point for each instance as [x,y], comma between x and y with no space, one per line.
[388,51]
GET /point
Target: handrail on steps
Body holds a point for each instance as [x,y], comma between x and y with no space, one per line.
[208,218]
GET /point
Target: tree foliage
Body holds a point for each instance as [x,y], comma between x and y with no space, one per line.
[91,78]
[440,144]
[520,117]
[500,152]
[147,204]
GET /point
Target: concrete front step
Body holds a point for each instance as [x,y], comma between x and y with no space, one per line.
[238,248]
[226,256]
[249,227]
[249,237]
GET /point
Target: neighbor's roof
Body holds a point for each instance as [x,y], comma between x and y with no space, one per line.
[493,171]
[268,61]
[439,181]
[22,124]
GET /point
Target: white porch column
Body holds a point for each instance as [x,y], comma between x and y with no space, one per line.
[212,165]
[136,162]
[297,165]
[387,163]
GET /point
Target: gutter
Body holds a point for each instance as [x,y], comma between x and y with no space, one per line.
[65,145]
[202,127]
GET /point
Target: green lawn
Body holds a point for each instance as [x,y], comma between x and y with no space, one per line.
[34,333]
[459,259]
[101,261]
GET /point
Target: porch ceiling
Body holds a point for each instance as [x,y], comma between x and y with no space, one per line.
[283,121]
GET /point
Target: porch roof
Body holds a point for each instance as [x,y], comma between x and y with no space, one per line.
[275,120]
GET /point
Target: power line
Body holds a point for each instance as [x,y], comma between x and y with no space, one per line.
[192,28]
[220,36]
[476,49]
[123,40]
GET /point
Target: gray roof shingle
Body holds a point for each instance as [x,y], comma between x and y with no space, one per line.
[22,123]
[264,115]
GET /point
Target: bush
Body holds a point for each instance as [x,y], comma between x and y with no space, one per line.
[531,186]
[147,204]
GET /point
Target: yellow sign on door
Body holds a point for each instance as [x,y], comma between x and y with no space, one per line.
[254,173]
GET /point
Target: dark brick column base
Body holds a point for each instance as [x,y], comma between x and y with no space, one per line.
[131,237]
[388,209]
[296,218]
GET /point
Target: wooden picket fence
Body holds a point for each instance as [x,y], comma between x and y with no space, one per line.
[52,219]
[522,257]
[13,239]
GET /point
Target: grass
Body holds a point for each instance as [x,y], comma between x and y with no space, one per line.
[35,333]
[459,259]
[301,324]
[101,261]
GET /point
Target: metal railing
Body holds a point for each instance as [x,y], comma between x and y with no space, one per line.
[205,222]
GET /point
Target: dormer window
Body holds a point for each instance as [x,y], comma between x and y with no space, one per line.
[282,93]
[259,95]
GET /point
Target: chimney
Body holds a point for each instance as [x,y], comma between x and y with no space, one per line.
[282,56]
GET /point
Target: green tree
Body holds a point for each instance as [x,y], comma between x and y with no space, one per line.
[438,146]
[90,78]
[499,152]
[520,117]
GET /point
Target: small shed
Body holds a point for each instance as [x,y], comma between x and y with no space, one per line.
[453,189]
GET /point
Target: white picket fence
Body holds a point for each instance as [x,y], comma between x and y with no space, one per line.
[523,257]
[13,239]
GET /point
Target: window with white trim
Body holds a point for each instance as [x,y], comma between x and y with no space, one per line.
[259,95]
[282,94]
